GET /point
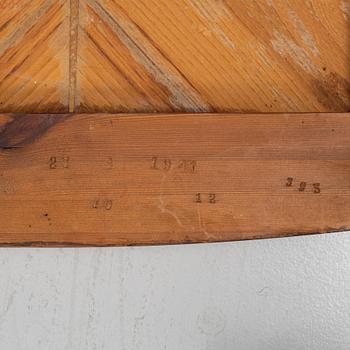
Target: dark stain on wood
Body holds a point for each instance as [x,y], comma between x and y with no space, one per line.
[24,129]
[333,92]
[33,108]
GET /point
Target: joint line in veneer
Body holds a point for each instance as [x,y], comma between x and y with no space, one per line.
[73,52]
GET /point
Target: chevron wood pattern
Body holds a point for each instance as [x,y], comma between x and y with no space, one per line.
[178,55]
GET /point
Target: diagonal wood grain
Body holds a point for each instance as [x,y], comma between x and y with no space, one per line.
[34,50]
[154,179]
[180,55]
[213,55]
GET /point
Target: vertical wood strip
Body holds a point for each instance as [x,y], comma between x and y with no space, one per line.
[73,52]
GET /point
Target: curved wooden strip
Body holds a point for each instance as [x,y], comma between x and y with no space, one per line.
[104,179]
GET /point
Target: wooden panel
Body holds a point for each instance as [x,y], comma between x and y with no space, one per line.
[209,55]
[124,180]
[34,51]
[178,55]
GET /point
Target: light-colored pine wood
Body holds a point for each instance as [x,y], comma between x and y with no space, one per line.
[178,55]
[214,55]
[153,179]
[34,51]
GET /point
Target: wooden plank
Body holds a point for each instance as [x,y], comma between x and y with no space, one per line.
[154,179]
[178,55]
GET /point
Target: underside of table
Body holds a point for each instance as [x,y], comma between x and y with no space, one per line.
[171,173]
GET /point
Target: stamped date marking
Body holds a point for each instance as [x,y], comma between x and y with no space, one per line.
[110,163]
[104,204]
[206,198]
[166,164]
[59,162]
[303,186]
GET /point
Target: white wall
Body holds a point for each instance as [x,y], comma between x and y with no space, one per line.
[278,294]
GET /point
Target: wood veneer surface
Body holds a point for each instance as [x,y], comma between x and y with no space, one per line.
[179,55]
